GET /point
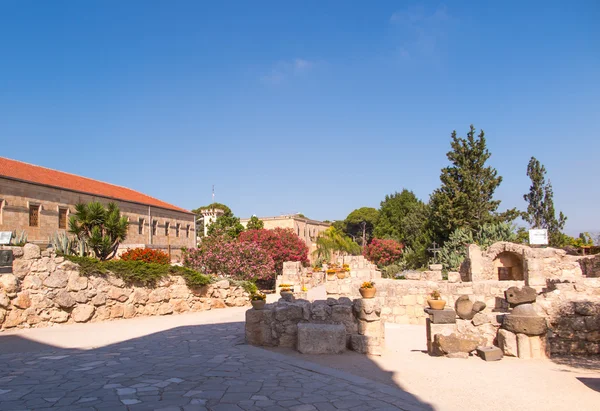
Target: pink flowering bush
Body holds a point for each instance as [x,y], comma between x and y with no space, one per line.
[383,252]
[221,256]
[282,245]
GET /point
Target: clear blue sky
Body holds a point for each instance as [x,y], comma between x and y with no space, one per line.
[314,107]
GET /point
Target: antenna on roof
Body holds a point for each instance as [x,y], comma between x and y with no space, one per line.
[213,194]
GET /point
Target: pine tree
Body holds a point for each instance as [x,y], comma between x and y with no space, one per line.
[540,204]
[465,198]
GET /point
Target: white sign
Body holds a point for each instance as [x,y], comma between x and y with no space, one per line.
[5,237]
[538,237]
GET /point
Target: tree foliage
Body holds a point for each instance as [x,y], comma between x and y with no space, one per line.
[282,245]
[540,205]
[333,241]
[228,225]
[219,206]
[101,229]
[465,198]
[255,223]
[383,252]
[360,224]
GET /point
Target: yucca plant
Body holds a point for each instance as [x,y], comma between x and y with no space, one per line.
[101,229]
[333,240]
[19,239]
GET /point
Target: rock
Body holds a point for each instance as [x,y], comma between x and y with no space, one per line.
[524,309]
[586,308]
[99,299]
[332,301]
[523,347]
[436,267]
[22,301]
[321,338]
[464,307]
[116,311]
[158,295]
[4,300]
[367,309]
[452,343]
[480,319]
[59,316]
[58,279]
[116,281]
[76,282]
[508,342]
[180,305]
[119,294]
[221,284]
[446,316]
[31,282]
[516,295]
[31,252]
[128,311]
[453,277]
[165,308]
[139,296]
[81,297]
[258,330]
[478,306]
[180,291]
[285,296]
[8,282]
[22,267]
[64,299]
[82,313]
[15,317]
[2,316]
[462,355]
[288,312]
[529,325]
[490,353]
[365,344]
[216,303]
[320,311]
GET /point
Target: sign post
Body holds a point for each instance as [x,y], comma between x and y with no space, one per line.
[538,237]
[5,237]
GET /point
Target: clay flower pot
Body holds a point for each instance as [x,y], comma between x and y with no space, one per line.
[367,292]
[341,275]
[258,304]
[436,304]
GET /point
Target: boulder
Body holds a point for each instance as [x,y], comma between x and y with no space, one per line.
[8,283]
[464,307]
[58,279]
[478,306]
[82,313]
[23,300]
[4,300]
[524,309]
[321,338]
[452,343]
[521,324]
[64,299]
[516,295]
[31,252]
[508,342]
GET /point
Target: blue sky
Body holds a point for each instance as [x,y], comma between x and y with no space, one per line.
[314,107]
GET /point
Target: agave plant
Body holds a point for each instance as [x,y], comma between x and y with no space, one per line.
[19,239]
[101,229]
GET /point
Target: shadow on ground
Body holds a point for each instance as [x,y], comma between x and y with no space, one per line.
[203,367]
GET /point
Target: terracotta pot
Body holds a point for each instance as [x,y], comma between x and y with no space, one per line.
[436,304]
[367,292]
[341,275]
[285,292]
[258,304]
[330,276]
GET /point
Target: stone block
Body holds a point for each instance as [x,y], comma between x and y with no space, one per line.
[525,309]
[31,251]
[367,309]
[371,328]
[436,267]
[490,353]
[508,342]
[523,347]
[530,325]
[321,338]
[453,277]
[365,344]
[516,295]
[446,316]
[453,343]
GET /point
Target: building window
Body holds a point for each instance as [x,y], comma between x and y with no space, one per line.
[187,231]
[1,210]
[62,218]
[34,215]
[154,225]
[177,229]
[167,225]
[140,226]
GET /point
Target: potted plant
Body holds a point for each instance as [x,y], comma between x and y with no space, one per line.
[258,301]
[286,288]
[436,302]
[331,273]
[367,289]
[346,269]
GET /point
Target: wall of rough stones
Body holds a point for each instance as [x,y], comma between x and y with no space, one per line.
[403,301]
[45,289]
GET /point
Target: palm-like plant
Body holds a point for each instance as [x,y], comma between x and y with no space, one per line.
[333,240]
[102,229]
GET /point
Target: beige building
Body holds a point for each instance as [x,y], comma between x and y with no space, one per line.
[39,200]
[308,230]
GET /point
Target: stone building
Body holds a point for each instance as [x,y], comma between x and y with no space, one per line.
[39,200]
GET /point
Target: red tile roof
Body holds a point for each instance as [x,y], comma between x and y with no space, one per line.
[40,175]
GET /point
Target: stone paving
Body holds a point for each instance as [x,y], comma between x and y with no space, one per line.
[200,367]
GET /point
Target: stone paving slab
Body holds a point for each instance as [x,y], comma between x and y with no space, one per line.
[199,367]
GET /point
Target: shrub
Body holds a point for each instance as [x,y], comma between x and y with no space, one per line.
[146,255]
[233,259]
[282,245]
[383,252]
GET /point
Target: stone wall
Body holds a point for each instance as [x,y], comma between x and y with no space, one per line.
[590,266]
[402,301]
[44,290]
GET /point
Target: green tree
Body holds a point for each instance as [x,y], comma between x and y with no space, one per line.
[101,229]
[360,224]
[540,205]
[227,225]
[200,218]
[404,218]
[255,223]
[465,198]
[333,241]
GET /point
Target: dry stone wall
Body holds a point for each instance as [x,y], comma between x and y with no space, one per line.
[45,289]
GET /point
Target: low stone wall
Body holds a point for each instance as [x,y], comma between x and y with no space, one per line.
[402,301]
[277,324]
[44,289]
[590,266]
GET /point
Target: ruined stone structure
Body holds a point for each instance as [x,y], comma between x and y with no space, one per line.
[44,290]
[39,201]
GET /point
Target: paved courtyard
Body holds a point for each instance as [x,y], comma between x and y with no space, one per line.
[189,362]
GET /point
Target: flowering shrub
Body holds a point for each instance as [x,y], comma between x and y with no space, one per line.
[368,284]
[233,259]
[146,255]
[282,244]
[383,252]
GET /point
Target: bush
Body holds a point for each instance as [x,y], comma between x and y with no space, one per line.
[282,245]
[138,272]
[146,255]
[383,252]
[232,259]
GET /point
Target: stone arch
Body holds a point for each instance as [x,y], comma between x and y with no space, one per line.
[508,266]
